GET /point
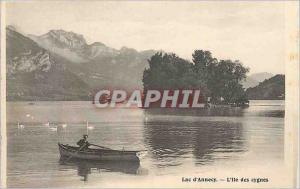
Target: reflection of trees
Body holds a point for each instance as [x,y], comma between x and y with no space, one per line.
[84,168]
[213,111]
[173,140]
[167,138]
[217,140]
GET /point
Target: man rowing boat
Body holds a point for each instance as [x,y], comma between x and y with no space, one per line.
[83,143]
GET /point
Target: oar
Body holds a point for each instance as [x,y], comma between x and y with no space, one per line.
[100,146]
[111,149]
[76,152]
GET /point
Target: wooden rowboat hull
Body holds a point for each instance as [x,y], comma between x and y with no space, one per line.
[67,151]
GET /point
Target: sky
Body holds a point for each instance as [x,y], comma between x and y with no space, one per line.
[252,32]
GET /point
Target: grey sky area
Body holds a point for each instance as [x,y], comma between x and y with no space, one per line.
[252,32]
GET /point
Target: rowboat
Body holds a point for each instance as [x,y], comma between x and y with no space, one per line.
[94,154]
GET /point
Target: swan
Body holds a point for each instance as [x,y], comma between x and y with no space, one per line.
[89,127]
[53,128]
[64,125]
[20,126]
[47,124]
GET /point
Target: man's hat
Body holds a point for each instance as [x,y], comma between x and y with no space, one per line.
[85,135]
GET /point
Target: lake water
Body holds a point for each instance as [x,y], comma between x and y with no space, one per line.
[179,143]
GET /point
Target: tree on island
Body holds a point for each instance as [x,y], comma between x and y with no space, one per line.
[168,71]
[217,79]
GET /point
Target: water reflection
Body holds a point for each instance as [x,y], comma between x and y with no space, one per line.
[85,168]
[176,141]
[173,141]
[276,110]
[220,111]
[218,140]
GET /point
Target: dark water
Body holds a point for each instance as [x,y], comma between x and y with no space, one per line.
[177,142]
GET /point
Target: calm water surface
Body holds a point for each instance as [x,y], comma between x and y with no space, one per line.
[177,142]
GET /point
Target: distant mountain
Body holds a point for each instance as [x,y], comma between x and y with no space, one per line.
[60,65]
[254,79]
[97,64]
[269,89]
[72,46]
[261,76]
[249,82]
[32,74]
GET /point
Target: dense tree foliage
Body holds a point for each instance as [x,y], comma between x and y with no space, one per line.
[168,71]
[217,79]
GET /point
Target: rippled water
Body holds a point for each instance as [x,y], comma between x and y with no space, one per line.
[178,142]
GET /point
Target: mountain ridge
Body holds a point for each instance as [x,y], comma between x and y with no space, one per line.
[270,89]
[74,42]
[50,57]
[93,66]
[33,73]
[254,79]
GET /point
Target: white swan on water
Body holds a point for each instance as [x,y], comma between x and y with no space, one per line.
[20,126]
[89,127]
[53,128]
[64,125]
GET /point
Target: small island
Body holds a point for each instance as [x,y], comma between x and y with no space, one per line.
[218,80]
